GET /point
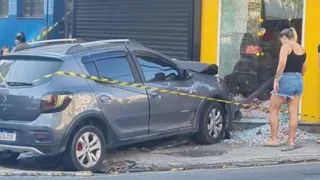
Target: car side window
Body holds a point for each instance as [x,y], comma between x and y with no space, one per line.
[91,68]
[155,70]
[112,68]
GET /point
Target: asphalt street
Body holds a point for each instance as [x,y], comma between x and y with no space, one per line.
[308,171]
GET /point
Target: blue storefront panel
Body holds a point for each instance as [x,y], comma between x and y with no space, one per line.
[31,26]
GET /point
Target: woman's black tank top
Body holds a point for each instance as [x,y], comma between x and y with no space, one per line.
[295,62]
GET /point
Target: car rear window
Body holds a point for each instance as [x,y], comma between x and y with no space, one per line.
[26,71]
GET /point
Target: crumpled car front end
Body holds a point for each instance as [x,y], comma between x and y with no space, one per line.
[210,70]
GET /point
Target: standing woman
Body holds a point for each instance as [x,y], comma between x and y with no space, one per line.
[288,84]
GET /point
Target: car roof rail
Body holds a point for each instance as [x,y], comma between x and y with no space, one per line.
[58,41]
[110,41]
[21,47]
[126,41]
[30,45]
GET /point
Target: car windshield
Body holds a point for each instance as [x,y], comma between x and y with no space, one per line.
[20,72]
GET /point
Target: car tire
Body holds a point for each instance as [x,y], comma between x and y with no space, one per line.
[78,155]
[8,158]
[211,124]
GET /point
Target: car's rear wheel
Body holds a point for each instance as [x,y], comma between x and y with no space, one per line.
[211,124]
[8,158]
[86,150]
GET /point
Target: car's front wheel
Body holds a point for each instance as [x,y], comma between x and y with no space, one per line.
[211,124]
[86,150]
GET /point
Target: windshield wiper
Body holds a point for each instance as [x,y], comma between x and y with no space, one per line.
[19,84]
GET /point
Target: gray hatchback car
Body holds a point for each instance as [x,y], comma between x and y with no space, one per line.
[81,118]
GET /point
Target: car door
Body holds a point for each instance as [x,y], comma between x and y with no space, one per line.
[167,111]
[126,108]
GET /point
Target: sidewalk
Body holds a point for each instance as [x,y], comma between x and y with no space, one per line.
[215,156]
[180,153]
[188,156]
[242,150]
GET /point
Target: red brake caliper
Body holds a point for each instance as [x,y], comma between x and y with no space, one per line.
[79,147]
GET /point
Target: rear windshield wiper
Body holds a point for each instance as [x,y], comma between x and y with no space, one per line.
[19,84]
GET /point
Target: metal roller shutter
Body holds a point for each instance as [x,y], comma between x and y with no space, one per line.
[163,25]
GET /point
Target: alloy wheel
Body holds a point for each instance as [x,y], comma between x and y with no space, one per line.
[215,122]
[88,149]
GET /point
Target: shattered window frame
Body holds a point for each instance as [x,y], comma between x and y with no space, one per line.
[250,46]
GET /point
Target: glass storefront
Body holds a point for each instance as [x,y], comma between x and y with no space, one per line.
[249,46]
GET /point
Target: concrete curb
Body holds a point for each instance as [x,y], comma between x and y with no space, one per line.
[225,165]
[45,173]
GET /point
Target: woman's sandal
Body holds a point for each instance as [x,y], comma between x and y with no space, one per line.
[271,144]
[291,147]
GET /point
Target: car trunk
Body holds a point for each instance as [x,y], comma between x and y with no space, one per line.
[20,97]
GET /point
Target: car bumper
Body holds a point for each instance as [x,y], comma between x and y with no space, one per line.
[234,113]
[42,136]
[19,149]
[38,140]
[235,109]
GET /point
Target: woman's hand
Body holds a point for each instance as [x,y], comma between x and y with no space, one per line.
[275,86]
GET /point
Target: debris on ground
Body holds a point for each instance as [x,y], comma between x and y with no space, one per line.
[254,111]
[258,135]
[113,166]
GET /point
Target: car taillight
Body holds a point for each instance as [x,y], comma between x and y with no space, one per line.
[55,102]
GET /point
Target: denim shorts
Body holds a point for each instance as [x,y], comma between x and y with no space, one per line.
[290,85]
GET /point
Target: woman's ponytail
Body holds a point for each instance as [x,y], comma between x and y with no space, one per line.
[294,34]
[290,33]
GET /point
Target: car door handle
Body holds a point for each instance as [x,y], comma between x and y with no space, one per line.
[105,99]
[155,94]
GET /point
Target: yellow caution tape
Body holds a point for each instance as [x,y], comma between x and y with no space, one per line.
[135,85]
[141,86]
[47,31]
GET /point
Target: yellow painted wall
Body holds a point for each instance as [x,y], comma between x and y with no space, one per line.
[311,95]
[209,31]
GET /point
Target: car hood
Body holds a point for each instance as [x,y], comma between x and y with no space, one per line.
[202,68]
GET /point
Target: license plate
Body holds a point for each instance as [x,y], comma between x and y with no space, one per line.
[6,135]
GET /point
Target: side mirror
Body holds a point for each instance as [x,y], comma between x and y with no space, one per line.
[186,74]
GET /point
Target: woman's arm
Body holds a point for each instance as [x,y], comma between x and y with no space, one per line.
[284,52]
[304,68]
